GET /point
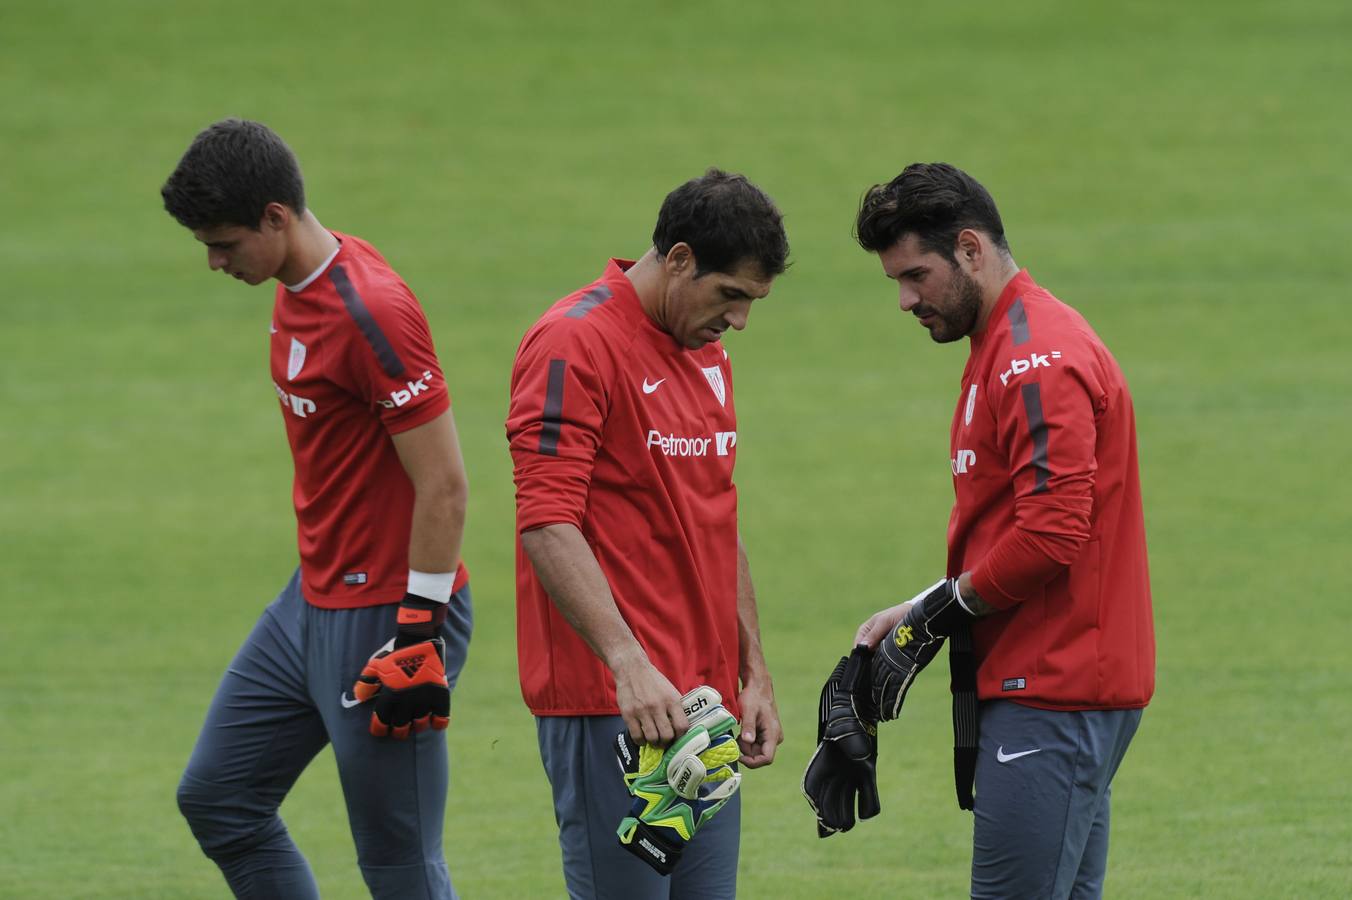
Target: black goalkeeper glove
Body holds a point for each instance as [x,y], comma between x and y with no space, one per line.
[842,773]
[407,676]
[933,616]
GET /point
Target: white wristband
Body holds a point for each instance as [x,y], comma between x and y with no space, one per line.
[432,585]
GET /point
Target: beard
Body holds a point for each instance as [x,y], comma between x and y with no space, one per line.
[957,312]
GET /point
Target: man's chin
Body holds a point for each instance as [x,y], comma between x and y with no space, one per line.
[941,335]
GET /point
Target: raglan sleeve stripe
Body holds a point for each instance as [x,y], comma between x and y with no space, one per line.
[551,418]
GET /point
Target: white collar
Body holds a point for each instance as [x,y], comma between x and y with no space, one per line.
[309,279]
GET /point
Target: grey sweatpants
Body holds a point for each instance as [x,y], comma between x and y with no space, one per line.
[590,799]
[1043,784]
[285,695]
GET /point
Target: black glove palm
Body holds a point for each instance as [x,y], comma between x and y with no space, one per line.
[842,772]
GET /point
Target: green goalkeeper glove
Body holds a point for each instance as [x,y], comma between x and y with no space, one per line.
[678,789]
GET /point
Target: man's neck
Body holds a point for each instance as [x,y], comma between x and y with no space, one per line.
[310,244]
[646,277]
[992,286]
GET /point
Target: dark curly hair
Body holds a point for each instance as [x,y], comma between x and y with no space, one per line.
[230,173]
[726,220]
[933,201]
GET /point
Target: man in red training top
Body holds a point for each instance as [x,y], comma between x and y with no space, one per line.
[632,582]
[1047,568]
[379,610]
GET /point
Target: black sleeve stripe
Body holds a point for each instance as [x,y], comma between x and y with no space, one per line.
[1037,428]
[1018,322]
[370,329]
[589,301]
[552,421]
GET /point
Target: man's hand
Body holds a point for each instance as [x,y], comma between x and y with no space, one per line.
[842,772]
[761,732]
[930,617]
[407,677]
[677,790]
[650,705]
[881,624]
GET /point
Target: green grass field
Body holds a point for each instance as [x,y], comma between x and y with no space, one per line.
[1177,171]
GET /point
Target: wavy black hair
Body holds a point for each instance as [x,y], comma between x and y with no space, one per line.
[230,173]
[726,220]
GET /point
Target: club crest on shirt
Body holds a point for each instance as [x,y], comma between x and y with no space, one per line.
[971,405]
[714,375]
[297,360]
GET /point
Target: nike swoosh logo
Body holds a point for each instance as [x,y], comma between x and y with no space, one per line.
[649,388]
[272,329]
[1002,756]
[348,704]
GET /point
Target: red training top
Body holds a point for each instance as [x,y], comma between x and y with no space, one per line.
[1048,511]
[617,429]
[353,363]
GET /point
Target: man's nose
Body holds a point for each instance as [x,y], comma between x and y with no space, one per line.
[737,315]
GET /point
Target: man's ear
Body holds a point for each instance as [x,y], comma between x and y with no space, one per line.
[276,217]
[970,249]
[680,259]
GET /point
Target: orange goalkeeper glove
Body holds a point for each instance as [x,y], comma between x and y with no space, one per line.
[407,677]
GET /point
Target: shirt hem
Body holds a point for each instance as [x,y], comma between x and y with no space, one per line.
[583,711]
[1053,706]
[375,598]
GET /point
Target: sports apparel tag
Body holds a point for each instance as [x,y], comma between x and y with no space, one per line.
[354,578]
[1014,684]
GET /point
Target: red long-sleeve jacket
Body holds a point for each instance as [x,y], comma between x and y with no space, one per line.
[1048,511]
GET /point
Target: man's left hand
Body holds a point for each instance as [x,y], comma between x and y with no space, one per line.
[761,732]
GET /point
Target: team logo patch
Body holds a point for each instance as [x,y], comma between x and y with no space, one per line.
[903,636]
[714,375]
[1014,684]
[971,406]
[297,360]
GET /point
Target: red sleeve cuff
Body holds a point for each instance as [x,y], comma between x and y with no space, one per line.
[550,491]
[419,415]
[1019,565]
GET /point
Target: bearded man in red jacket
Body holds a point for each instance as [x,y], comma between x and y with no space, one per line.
[1046,597]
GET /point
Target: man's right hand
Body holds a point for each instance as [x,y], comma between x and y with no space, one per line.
[649,703]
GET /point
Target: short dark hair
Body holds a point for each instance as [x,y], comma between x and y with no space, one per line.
[933,201]
[230,173]
[725,219]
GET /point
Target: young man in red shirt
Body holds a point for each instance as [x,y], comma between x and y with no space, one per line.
[362,647]
[1047,569]
[632,581]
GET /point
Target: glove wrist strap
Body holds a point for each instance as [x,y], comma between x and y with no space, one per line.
[419,619]
[649,845]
